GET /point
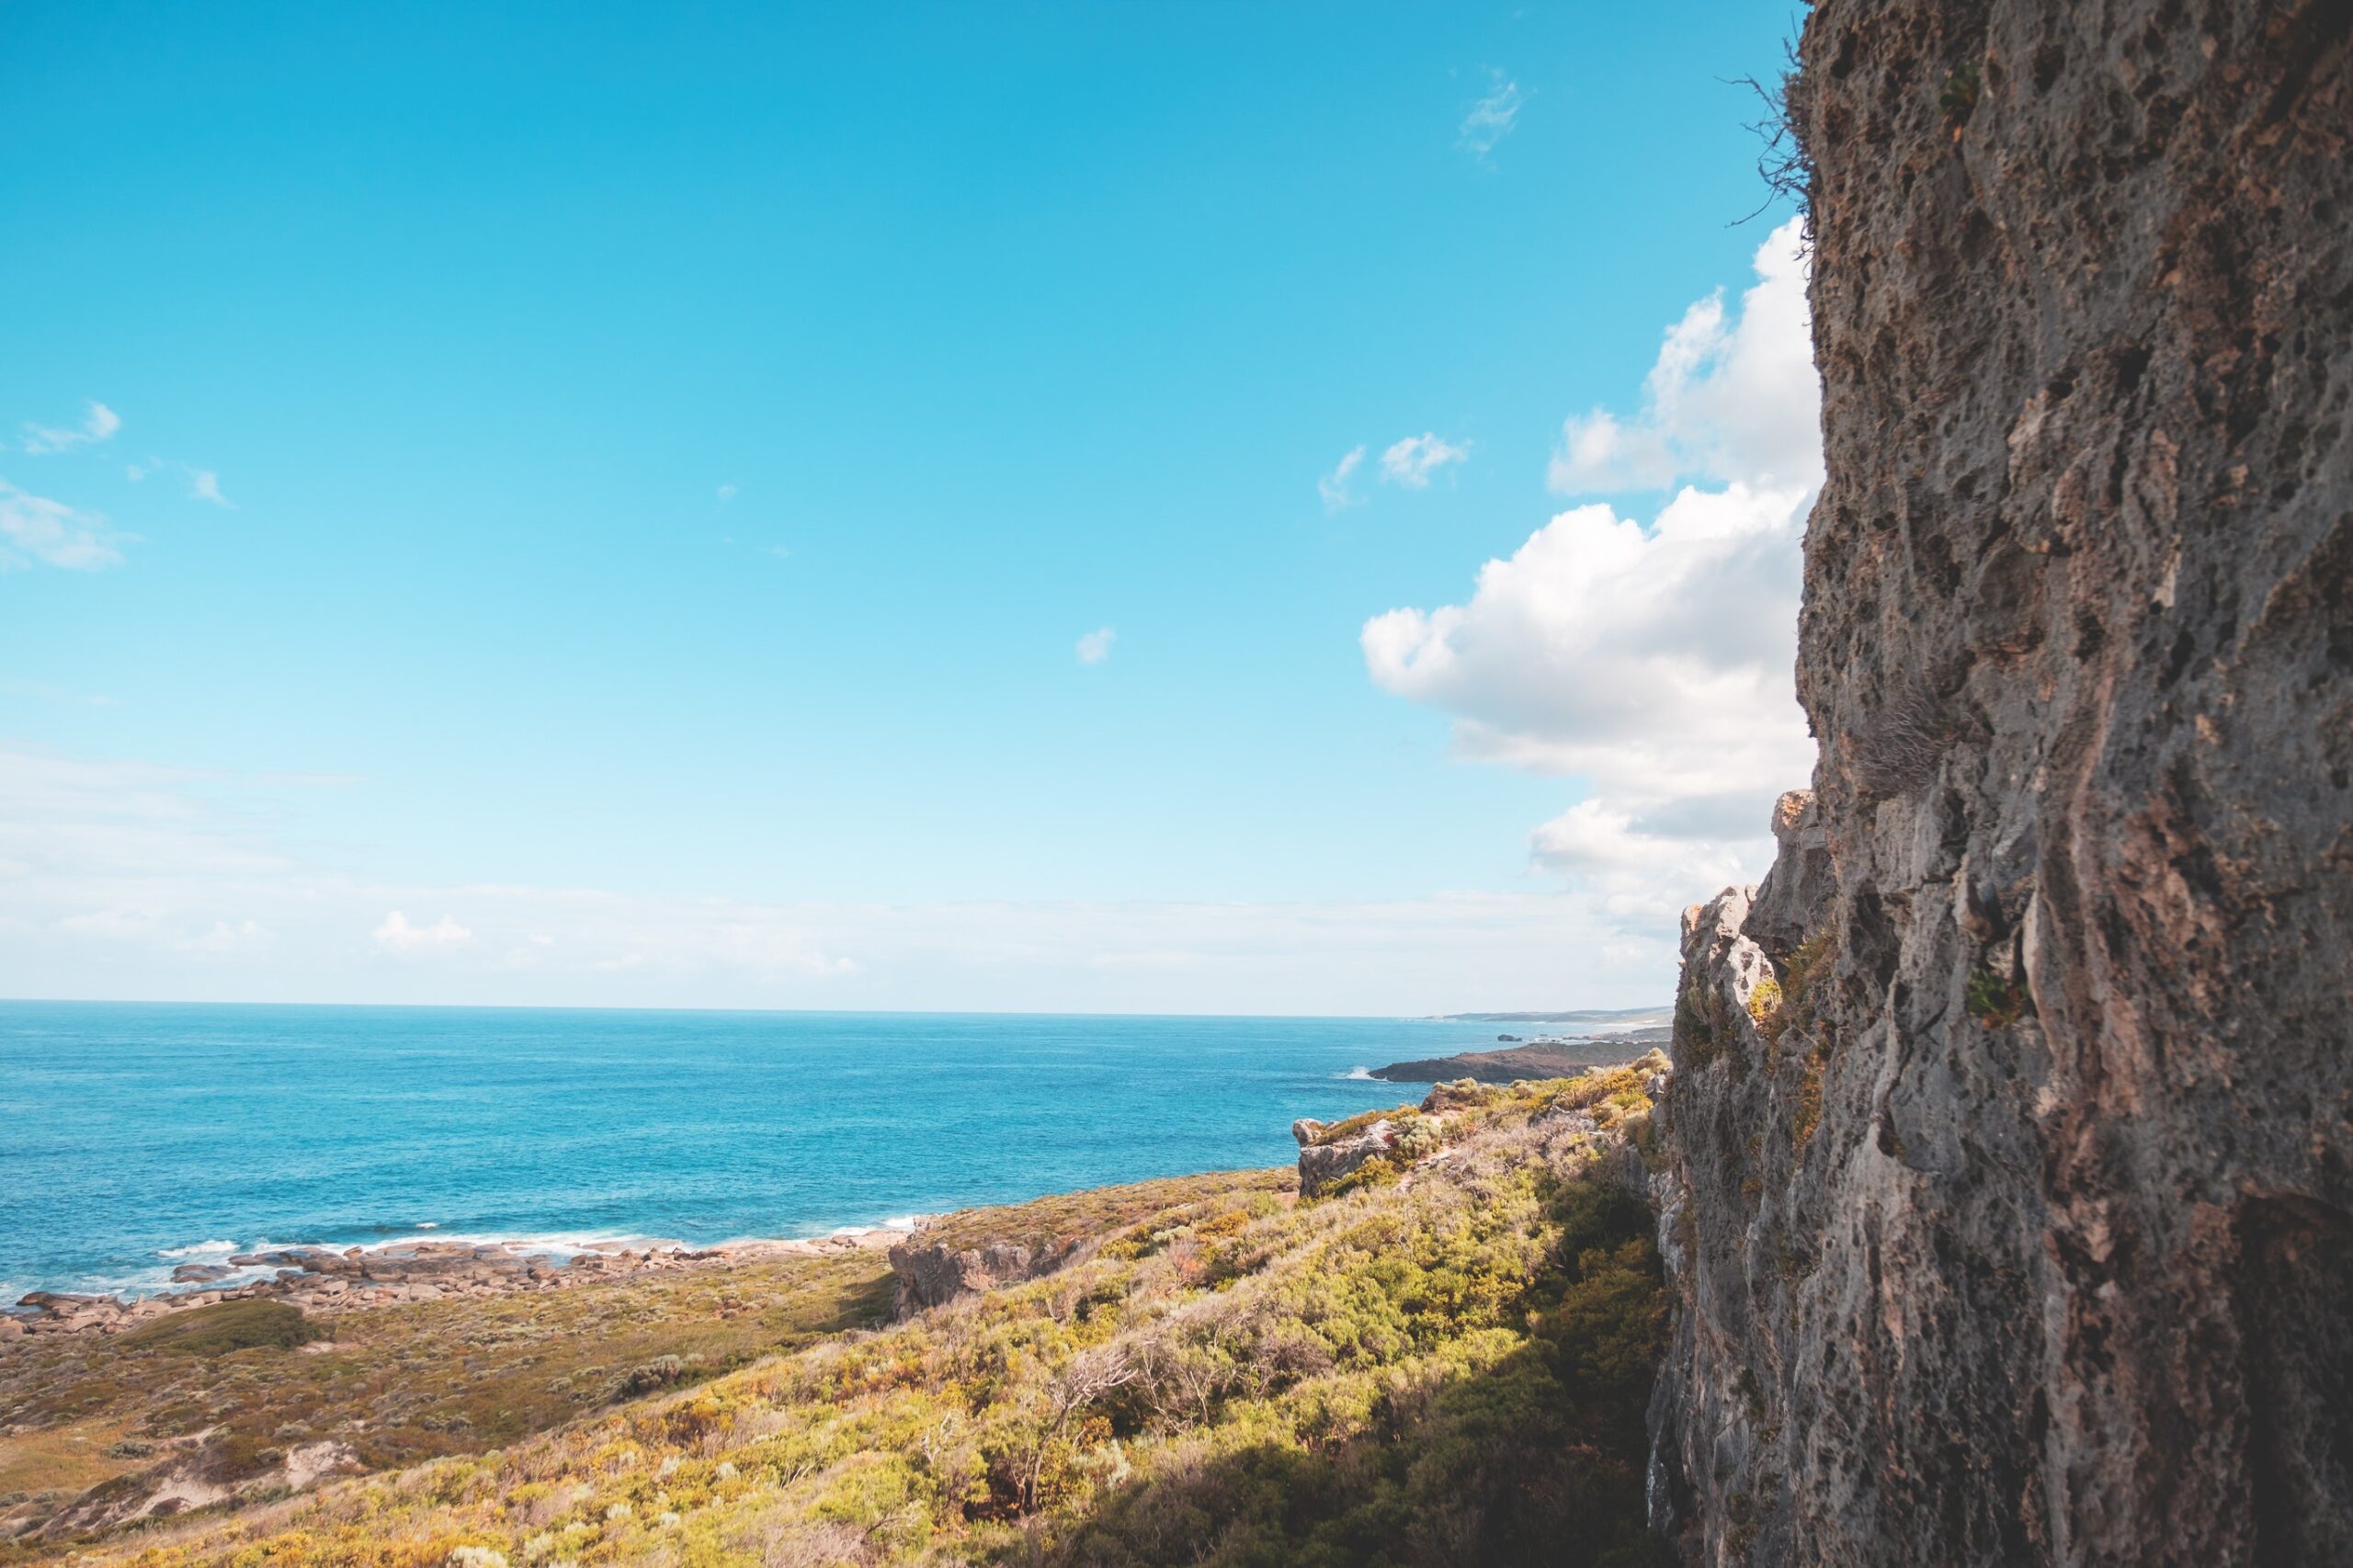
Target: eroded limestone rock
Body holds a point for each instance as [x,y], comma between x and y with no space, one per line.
[935,1274]
[2023,1232]
[1321,1164]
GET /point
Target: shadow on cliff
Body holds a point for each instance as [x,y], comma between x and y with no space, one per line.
[1537,1456]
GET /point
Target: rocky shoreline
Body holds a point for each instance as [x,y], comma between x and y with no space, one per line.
[324,1280]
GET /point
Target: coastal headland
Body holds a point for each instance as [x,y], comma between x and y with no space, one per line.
[1547,1057]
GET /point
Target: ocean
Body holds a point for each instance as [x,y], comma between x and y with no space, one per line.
[137,1136]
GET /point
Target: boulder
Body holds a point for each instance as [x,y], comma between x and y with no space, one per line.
[1321,1164]
[933,1275]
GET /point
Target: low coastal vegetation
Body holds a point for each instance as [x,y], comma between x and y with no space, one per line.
[225,1326]
[1447,1362]
[220,1398]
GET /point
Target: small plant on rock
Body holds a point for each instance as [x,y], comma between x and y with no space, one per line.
[1995,1000]
[1959,95]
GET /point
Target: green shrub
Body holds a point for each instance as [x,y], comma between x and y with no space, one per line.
[227,1327]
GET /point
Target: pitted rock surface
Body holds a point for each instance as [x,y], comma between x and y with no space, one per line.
[2025,1235]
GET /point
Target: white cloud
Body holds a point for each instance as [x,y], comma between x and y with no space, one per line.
[726,492]
[108,925]
[1334,486]
[35,528]
[98,424]
[205,485]
[1096,646]
[1652,662]
[397,933]
[1727,399]
[126,881]
[1411,461]
[1637,880]
[1491,118]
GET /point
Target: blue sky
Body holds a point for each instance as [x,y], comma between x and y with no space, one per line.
[671,456]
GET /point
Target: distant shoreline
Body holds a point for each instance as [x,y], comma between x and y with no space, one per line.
[1594,1020]
[1518,1059]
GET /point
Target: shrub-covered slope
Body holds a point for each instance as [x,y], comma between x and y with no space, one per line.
[1445,1363]
[249,1396]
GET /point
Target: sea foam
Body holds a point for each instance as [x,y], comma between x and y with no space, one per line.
[200,1249]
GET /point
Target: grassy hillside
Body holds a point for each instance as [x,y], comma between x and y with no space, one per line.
[1445,1363]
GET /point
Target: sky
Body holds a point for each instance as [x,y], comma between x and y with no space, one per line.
[1177,509]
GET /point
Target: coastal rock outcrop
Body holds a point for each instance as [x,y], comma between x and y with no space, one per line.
[2009,1169]
[934,1274]
[1321,1164]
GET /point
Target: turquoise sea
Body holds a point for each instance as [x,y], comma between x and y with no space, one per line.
[136,1136]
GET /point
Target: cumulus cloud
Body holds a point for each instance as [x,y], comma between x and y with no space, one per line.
[1653,663]
[1639,879]
[1730,397]
[397,933]
[34,528]
[98,424]
[1412,461]
[1490,119]
[1096,646]
[1650,661]
[1334,486]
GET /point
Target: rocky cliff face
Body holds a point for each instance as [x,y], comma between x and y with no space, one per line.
[2010,1196]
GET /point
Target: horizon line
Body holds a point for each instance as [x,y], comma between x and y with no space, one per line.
[1522,1014]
